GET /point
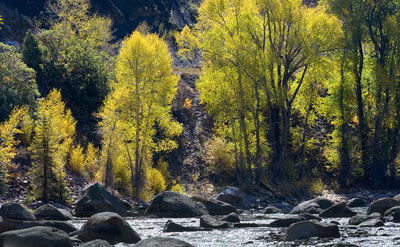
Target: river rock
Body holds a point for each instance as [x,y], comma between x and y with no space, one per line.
[314,206]
[62,225]
[232,217]
[310,216]
[34,237]
[216,207]
[391,211]
[397,197]
[339,210]
[171,226]
[207,221]
[162,241]
[233,196]
[108,226]
[272,210]
[309,229]
[381,205]
[49,212]
[358,219]
[377,222]
[15,211]
[396,217]
[356,202]
[285,222]
[97,199]
[96,243]
[171,204]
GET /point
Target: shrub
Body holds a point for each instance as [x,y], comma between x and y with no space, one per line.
[220,157]
[77,159]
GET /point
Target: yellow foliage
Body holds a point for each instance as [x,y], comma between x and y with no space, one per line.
[178,189]
[187,104]
[220,156]
[91,164]
[77,159]
[155,183]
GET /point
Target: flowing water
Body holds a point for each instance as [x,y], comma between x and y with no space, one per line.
[389,235]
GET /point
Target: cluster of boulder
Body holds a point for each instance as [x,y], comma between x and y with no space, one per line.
[48,224]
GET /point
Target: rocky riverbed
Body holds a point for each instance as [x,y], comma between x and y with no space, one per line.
[146,227]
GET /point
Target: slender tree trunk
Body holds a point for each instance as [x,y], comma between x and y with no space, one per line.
[362,129]
[303,139]
[237,167]
[109,176]
[259,170]
[345,169]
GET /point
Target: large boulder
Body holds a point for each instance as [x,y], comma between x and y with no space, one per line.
[309,229]
[216,207]
[381,205]
[207,221]
[233,196]
[108,226]
[162,241]
[62,225]
[339,210]
[356,202]
[358,219]
[313,206]
[171,204]
[49,212]
[15,211]
[35,236]
[96,243]
[287,221]
[97,199]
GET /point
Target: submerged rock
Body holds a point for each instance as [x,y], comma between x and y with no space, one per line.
[15,211]
[340,210]
[162,241]
[96,243]
[49,212]
[309,229]
[377,222]
[171,204]
[358,219]
[381,205]
[108,226]
[34,237]
[208,221]
[97,199]
[272,210]
[174,227]
[285,222]
[391,211]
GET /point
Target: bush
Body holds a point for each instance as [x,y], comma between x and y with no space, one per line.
[178,189]
[220,157]
[155,183]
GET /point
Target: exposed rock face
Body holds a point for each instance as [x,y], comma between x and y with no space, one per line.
[171,204]
[314,206]
[216,207]
[49,212]
[340,210]
[15,211]
[309,229]
[381,205]
[108,226]
[97,199]
[34,237]
[208,221]
[161,241]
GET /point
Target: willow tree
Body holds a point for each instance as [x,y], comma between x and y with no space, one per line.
[138,110]
[53,136]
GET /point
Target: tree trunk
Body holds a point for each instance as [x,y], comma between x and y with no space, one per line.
[259,172]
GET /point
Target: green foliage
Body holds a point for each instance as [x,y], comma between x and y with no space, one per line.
[32,53]
[221,157]
[17,82]
[53,136]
